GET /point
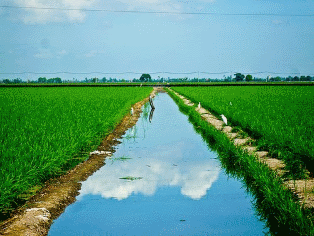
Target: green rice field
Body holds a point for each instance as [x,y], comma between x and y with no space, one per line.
[279,117]
[46,131]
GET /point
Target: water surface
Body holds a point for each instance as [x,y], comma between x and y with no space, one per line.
[162,180]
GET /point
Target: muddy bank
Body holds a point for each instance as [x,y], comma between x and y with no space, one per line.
[35,217]
[303,188]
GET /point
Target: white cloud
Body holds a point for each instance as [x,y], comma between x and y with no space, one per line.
[199,181]
[193,178]
[47,53]
[280,22]
[35,16]
[188,2]
[42,16]
[92,53]
[151,5]
[210,1]
[62,52]
[44,54]
[141,2]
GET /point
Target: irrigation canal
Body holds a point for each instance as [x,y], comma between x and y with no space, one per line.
[162,180]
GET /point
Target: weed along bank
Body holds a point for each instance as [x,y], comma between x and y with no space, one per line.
[162,179]
[283,188]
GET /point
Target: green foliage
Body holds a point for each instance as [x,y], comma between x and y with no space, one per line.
[54,80]
[131,178]
[296,78]
[275,79]
[42,80]
[239,77]
[281,118]
[94,80]
[46,131]
[14,81]
[248,78]
[145,78]
[123,158]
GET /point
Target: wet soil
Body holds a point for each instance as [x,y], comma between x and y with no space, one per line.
[35,217]
[303,188]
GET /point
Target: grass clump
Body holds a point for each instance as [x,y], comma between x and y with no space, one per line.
[131,178]
[123,158]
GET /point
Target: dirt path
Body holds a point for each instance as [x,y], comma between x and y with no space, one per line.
[303,188]
[35,217]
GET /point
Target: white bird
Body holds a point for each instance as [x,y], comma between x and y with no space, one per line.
[230,104]
[224,119]
[132,111]
[199,105]
[94,152]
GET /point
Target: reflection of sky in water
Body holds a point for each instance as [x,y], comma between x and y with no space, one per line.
[182,191]
[160,167]
[163,153]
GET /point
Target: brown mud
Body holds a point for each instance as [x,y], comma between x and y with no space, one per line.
[303,188]
[35,217]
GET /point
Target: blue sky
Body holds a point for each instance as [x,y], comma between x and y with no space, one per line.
[50,41]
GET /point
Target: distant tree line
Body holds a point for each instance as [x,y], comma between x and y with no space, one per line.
[238,77]
[51,80]
[241,77]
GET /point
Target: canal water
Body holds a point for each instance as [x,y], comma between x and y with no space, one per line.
[162,180]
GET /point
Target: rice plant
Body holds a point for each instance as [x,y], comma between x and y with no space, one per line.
[46,131]
[279,117]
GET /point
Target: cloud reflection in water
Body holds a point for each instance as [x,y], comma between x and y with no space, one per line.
[166,167]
